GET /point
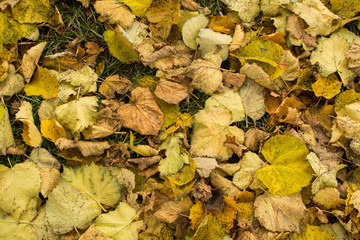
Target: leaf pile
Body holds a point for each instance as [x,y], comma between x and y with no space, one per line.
[272,151]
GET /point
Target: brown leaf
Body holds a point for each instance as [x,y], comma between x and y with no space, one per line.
[86,148]
[114,84]
[143,114]
[114,12]
[234,80]
[295,26]
[353,57]
[190,5]
[145,162]
[92,50]
[234,145]
[168,212]
[253,137]
[92,233]
[202,190]
[171,92]
[288,111]
[49,179]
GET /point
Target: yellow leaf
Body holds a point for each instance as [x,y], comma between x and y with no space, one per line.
[120,47]
[77,114]
[95,182]
[247,10]
[28,11]
[186,175]
[222,24]
[197,213]
[228,215]
[114,12]
[10,228]
[345,9]
[182,121]
[289,170]
[210,228]
[30,60]
[265,54]
[162,14]
[6,134]
[43,83]
[30,134]
[191,29]
[52,130]
[12,84]
[345,98]
[313,233]
[143,150]
[138,7]
[114,84]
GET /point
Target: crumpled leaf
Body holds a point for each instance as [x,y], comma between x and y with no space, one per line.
[10,228]
[114,84]
[279,213]
[95,182]
[162,14]
[143,150]
[175,159]
[247,10]
[249,163]
[253,99]
[143,114]
[206,76]
[77,114]
[313,232]
[325,176]
[291,66]
[119,224]
[114,12]
[352,56]
[67,209]
[43,83]
[320,19]
[20,187]
[330,55]
[210,127]
[209,228]
[297,34]
[191,29]
[87,148]
[210,41]
[6,135]
[31,135]
[119,46]
[290,170]
[30,60]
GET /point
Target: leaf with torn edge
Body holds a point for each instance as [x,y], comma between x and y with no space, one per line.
[31,135]
[119,224]
[289,171]
[67,209]
[210,127]
[279,213]
[142,114]
[77,114]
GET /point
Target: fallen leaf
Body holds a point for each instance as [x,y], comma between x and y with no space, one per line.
[209,228]
[119,224]
[49,180]
[44,159]
[204,166]
[327,87]
[30,60]
[93,233]
[119,46]
[345,98]
[314,232]
[43,83]
[143,150]
[52,130]
[329,198]
[211,41]
[67,209]
[257,74]
[114,12]
[345,9]
[297,34]
[279,213]
[143,114]
[31,135]
[237,38]
[246,10]
[191,29]
[210,128]
[291,66]
[253,99]
[6,135]
[10,228]
[206,76]
[114,84]
[138,7]
[27,11]
[226,186]
[175,159]
[77,114]
[87,148]
[168,212]
[13,83]
[20,187]
[222,24]
[290,170]
[171,92]
[234,80]
[95,182]
[253,138]
[352,55]
[162,15]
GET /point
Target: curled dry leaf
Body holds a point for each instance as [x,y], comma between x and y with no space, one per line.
[30,60]
[87,148]
[297,34]
[31,135]
[6,135]
[234,80]
[143,114]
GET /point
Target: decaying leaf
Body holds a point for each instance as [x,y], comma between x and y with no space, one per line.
[114,12]
[290,170]
[6,135]
[209,228]
[143,114]
[171,92]
[204,166]
[314,232]
[86,148]
[279,213]
[114,84]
